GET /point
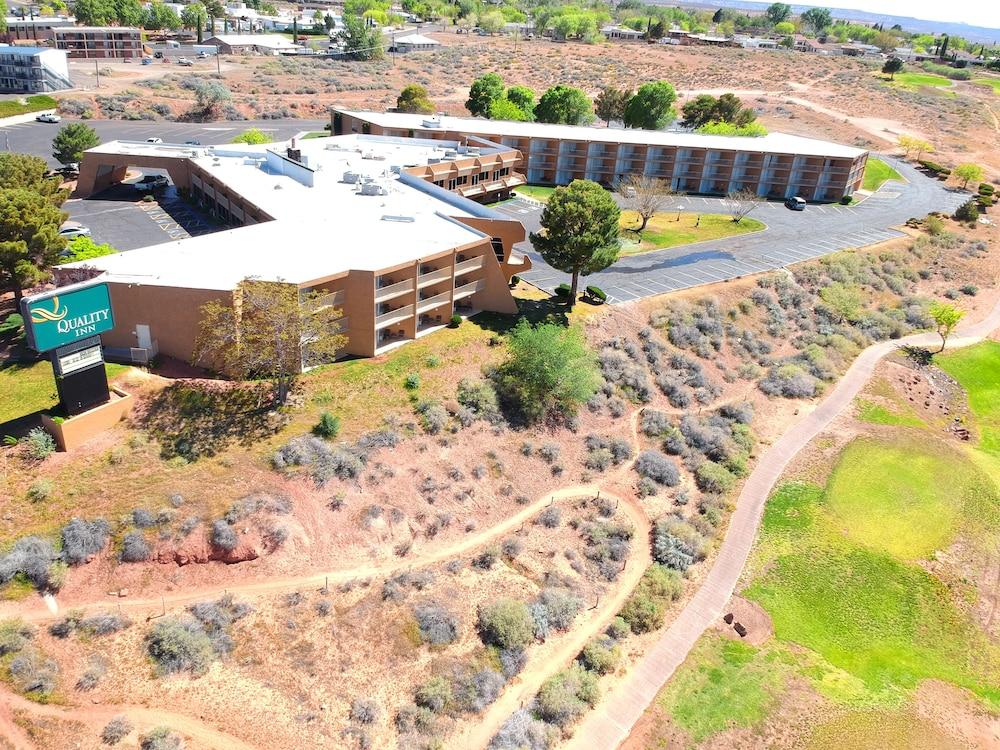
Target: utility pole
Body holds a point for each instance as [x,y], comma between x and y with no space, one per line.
[97,72]
[393,42]
[218,62]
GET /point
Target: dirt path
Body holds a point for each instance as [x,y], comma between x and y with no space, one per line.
[96,717]
[611,722]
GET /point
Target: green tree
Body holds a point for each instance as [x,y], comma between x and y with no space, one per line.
[892,66]
[194,16]
[968,172]
[785,28]
[548,373]
[506,624]
[29,238]
[129,12]
[579,231]
[698,111]
[84,248]
[652,107]
[818,19]
[844,300]
[484,91]
[778,12]
[610,103]
[72,140]
[413,98]
[3,16]
[161,16]
[24,171]
[94,12]
[505,109]
[208,96]
[523,98]
[945,316]
[215,10]
[361,41]
[491,22]
[262,334]
[564,104]
[252,137]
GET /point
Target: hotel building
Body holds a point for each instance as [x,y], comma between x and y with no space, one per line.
[99,42]
[356,217]
[776,165]
[32,70]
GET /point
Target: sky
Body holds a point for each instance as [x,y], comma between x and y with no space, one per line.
[975,12]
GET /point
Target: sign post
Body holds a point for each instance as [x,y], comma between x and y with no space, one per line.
[68,322]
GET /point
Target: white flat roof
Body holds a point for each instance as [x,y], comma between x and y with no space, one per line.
[781,143]
[255,40]
[319,231]
[416,39]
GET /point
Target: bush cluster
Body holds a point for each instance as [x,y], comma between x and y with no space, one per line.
[646,607]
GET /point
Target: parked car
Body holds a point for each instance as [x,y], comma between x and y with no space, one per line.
[48,117]
[154,140]
[70,230]
[203,54]
[147,61]
[192,143]
[151,182]
[184,61]
[796,203]
[158,54]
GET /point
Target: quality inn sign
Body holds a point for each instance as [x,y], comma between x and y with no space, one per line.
[64,315]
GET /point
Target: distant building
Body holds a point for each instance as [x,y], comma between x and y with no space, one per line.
[252,44]
[35,29]
[99,42]
[32,70]
[856,49]
[708,40]
[756,42]
[414,43]
[622,34]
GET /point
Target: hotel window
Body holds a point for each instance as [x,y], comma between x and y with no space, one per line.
[462,179]
[452,183]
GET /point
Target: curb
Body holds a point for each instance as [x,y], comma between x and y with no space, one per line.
[27,117]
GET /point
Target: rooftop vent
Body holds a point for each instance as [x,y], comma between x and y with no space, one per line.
[373,156]
[398,218]
[431,122]
[451,154]
[373,188]
[351,178]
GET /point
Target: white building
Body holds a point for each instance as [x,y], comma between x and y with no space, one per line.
[415,42]
[621,34]
[252,44]
[33,70]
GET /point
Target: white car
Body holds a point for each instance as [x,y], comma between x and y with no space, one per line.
[48,117]
[184,61]
[72,229]
[151,182]
[154,140]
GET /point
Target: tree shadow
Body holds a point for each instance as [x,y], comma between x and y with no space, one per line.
[535,311]
[196,419]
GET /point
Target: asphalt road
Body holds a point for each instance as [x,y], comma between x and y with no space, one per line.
[790,237]
[36,137]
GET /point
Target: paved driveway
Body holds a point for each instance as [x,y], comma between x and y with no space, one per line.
[790,237]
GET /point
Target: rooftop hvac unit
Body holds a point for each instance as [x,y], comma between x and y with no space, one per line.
[398,218]
[434,160]
[451,154]
[373,156]
[351,178]
[373,188]
[431,122]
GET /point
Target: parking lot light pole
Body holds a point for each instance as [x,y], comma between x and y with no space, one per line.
[218,63]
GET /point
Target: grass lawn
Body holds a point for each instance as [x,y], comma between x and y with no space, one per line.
[916,80]
[538,192]
[27,388]
[876,173]
[976,368]
[723,684]
[993,83]
[869,411]
[316,134]
[664,230]
[35,103]
[888,623]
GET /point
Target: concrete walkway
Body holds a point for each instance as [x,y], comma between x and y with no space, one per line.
[610,723]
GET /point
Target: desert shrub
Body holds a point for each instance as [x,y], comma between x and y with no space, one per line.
[566,695]
[433,416]
[223,536]
[92,675]
[437,625]
[161,738]
[216,618]
[790,381]
[647,605]
[741,412]
[621,449]
[713,477]
[511,547]
[64,628]
[40,489]
[551,517]
[676,544]
[598,459]
[522,731]
[486,559]
[540,616]
[506,624]
[32,674]
[646,487]
[411,718]
[412,381]
[142,518]
[434,694]
[14,636]
[561,607]
[512,661]
[600,655]
[104,623]
[328,426]
[180,645]
[549,452]
[31,557]
[473,690]
[654,423]
[116,730]
[480,397]
[82,539]
[39,444]
[324,461]
[657,467]
[364,711]
[618,630]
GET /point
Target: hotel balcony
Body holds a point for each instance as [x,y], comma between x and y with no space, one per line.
[393,316]
[393,290]
[504,183]
[472,264]
[444,298]
[467,290]
[432,276]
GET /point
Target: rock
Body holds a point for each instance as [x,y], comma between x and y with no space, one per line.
[122,593]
